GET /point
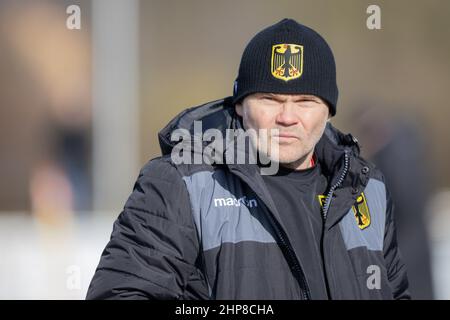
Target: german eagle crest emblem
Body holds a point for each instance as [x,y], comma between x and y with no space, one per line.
[287,61]
[360,210]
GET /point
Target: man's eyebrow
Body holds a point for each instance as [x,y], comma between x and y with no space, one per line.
[272,95]
[308,97]
[268,94]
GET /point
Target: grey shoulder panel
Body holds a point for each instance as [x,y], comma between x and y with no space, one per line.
[371,236]
[223,213]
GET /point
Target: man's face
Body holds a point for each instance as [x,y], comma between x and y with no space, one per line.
[300,120]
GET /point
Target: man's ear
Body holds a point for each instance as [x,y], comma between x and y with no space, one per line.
[238,108]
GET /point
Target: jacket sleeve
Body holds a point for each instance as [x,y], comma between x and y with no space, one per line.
[396,269]
[153,248]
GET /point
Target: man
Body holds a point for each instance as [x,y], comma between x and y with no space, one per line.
[320,227]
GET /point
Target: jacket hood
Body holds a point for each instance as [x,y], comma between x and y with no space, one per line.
[221,115]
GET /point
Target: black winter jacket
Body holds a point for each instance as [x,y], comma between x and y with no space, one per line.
[199,231]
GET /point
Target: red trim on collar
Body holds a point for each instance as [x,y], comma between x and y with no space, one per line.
[313,161]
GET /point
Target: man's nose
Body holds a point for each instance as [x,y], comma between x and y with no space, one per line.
[287,115]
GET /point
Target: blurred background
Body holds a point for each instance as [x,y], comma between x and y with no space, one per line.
[80,109]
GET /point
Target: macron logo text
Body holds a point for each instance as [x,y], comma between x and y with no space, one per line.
[226,202]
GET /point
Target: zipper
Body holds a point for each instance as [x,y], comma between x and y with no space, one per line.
[292,261]
[329,196]
[288,250]
[325,209]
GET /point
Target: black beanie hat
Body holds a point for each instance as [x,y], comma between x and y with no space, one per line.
[288,57]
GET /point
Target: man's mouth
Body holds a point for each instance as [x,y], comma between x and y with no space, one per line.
[286,136]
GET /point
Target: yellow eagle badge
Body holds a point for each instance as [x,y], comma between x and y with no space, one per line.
[321,199]
[287,61]
[360,210]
